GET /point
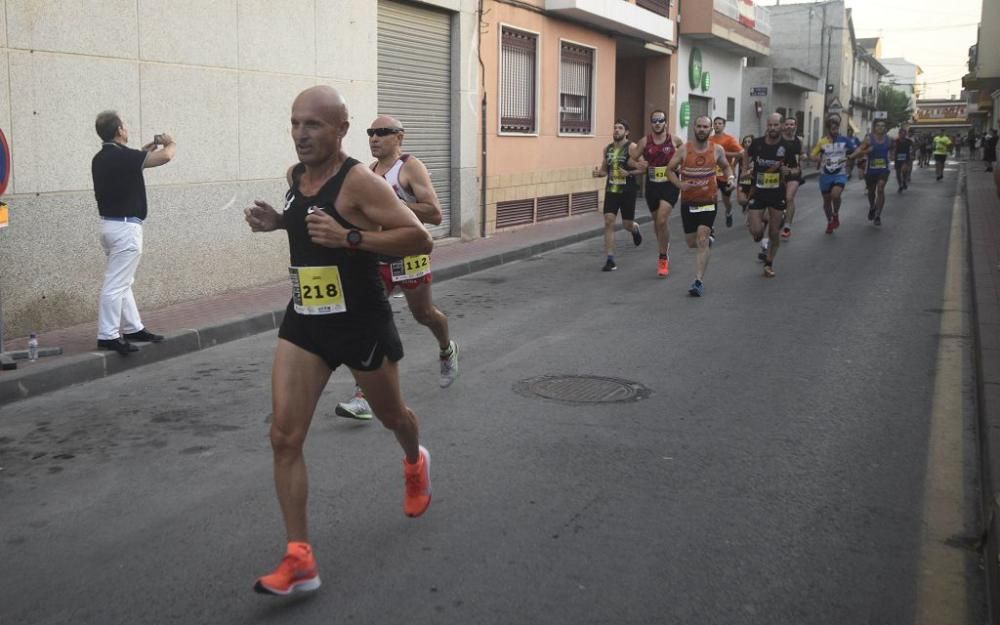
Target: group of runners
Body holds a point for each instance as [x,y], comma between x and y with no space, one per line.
[765,171]
[357,233]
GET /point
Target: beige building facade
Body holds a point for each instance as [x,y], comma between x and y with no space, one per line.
[557,73]
[219,77]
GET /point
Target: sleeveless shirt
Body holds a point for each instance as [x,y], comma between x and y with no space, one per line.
[617,161]
[878,158]
[699,168]
[364,294]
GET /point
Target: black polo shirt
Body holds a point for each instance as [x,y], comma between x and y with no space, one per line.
[118,183]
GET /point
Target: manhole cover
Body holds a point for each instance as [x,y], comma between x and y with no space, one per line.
[582,389]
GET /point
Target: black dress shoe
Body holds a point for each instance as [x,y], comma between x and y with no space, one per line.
[119,345]
[144,336]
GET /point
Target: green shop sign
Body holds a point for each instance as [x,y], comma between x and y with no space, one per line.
[685,114]
[706,81]
[694,68]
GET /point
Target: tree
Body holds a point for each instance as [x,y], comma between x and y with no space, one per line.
[896,104]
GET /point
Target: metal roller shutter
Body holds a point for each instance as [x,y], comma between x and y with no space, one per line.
[414,86]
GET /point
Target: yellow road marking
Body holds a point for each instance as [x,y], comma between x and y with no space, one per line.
[942,588]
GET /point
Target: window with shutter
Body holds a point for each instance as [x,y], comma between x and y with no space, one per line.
[576,81]
[660,7]
[518,50]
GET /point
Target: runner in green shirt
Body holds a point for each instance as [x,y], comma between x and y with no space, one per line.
[942,145]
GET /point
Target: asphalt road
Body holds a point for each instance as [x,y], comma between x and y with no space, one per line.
[774,474]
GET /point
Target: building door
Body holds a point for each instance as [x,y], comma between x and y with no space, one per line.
[699,106]
[414,86]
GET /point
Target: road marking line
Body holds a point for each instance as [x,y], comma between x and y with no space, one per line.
[942,588]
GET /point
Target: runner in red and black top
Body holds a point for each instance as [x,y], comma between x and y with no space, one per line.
[699,185]
[652,153]
[789,134]
[773,161]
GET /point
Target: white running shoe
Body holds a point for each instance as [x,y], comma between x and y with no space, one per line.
[357,408]
[449,366]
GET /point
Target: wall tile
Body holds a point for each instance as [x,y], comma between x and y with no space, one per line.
[52,118]
[199,109]
[278,36]
[106,28]
[346,43]
[194,32]
[362,105]
[265,102]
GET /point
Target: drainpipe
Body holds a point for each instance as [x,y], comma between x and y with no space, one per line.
[482,124]
[482,180]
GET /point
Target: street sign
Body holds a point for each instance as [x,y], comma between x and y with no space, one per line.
[835,106]
[756,92]
[881,114]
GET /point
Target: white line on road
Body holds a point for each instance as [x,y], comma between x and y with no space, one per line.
[942,588]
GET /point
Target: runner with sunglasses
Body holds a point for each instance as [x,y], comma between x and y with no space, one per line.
[833,153]
[652,153]
[408,177]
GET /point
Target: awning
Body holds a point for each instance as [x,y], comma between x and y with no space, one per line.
[851,126]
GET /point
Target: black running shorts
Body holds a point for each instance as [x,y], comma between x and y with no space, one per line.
[694,215]
[624,202]
[940,158]
[360,348]
[761,201]
[656,191]
[871,180]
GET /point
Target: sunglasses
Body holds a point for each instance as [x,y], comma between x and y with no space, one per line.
[658,120]
[382,132]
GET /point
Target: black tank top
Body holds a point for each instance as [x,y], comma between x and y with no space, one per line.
[364,294]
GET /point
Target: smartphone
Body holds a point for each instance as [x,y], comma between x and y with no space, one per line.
[158,139]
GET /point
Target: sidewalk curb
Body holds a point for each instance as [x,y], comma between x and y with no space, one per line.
[987,376]
[81,368]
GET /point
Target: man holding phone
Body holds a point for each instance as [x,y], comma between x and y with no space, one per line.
[120,190]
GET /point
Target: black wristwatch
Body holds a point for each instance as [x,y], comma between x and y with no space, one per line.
[353,237]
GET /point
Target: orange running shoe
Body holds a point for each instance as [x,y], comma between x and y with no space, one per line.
[663,267]
[297,573]
[418,484]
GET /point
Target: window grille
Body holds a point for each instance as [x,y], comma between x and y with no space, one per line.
[517,80]
[576,73]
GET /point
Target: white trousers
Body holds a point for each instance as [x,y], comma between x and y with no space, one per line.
[117,312]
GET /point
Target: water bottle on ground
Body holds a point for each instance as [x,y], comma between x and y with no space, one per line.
[33,347]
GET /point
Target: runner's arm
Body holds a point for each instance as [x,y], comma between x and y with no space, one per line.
[674,163]
[722,160]
[401,233]
[427,207]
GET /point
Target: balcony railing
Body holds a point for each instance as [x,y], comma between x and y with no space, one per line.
[760,16]
[660,7]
